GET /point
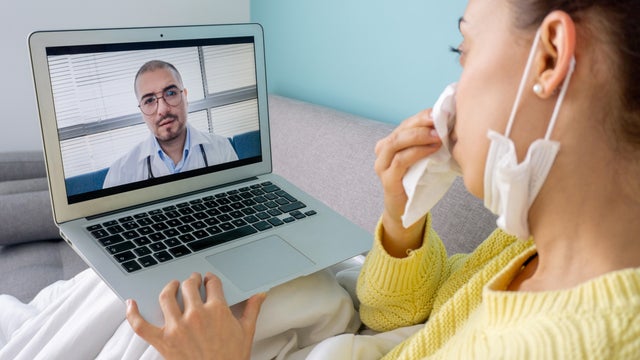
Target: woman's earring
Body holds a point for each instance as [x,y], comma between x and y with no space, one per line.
[538,89]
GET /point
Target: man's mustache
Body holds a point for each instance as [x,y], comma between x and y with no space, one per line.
[168,116]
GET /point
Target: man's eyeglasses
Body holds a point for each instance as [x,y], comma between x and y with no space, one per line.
[149,104]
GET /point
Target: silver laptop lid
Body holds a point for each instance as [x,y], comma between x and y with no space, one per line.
[90,116]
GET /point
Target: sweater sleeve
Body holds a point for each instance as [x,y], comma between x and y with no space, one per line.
[396,292]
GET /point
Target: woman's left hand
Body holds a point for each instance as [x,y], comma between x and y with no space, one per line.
[206,329]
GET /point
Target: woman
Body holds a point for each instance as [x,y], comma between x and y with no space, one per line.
[573,289]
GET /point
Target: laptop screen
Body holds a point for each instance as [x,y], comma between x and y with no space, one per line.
[124,110]
[120,132]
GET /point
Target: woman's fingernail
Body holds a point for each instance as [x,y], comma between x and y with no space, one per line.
[434,133]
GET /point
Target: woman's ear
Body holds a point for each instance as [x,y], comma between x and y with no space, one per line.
[558,40]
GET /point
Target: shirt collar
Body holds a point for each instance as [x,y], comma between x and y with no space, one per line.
[185,151]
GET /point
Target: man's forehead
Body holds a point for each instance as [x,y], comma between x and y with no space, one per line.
[156,80]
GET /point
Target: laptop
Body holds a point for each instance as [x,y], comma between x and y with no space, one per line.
[232,217]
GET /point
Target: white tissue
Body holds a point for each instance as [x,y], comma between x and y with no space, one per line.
[429,179]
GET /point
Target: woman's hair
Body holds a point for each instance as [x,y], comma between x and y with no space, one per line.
[619,21]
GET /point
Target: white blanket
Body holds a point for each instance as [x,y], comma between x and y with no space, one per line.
[83,319]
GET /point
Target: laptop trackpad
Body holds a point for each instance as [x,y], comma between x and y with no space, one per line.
[260,262]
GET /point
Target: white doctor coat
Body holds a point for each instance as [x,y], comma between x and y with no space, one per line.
[133,166]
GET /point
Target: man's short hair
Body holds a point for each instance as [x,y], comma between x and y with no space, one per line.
[155,65]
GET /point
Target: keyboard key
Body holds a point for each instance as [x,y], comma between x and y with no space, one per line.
[147,261]
[145,230]
[286,195]
[185,229]
[172,214]
[115,229]
[262,225]
[297,214]
[94,227]
[162,256]
[131,266]
[174,223]
[275,221]
[144,221]
[110,223]
[200,234]
[221,238]
[141,241]
[157,236]
[239,223]
[131,234]
[179,251]
[198,225]
[111,240]
[99,233]
[291,207]
[251,219]
[142,251]
[125,219]
[236,214]
[213,230]
[226,226]
[160,226]
[274,212]
[157,246]
[270,188]
[120,247]
[186,238]
[124,256]
[171,233]
[187,219]
[159,218]
[172,242]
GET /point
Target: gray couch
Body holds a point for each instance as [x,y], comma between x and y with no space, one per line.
[325,152]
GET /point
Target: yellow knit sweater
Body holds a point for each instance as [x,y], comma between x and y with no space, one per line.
[472,317]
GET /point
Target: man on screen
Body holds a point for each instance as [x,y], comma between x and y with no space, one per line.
[173,146]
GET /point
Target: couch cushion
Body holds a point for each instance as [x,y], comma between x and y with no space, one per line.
[22,165]
[25,212]
[27,268]
[330,155]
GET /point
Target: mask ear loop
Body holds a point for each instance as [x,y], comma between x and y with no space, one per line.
[563,91]
[525,75]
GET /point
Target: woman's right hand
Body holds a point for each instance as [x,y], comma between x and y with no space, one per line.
[414,139]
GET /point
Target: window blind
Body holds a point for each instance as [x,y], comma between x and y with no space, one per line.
[96,106]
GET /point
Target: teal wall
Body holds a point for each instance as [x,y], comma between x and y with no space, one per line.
[381,59]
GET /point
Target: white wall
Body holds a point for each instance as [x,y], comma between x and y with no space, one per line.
[19,128]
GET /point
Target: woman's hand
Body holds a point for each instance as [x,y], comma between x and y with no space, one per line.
[205,330]
[414,139]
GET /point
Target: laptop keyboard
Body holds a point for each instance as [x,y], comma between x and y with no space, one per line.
[149,238]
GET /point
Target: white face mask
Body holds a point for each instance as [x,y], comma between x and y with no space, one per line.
[510,188]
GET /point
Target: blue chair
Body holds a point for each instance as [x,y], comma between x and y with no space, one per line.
[246,144]
[86,182]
